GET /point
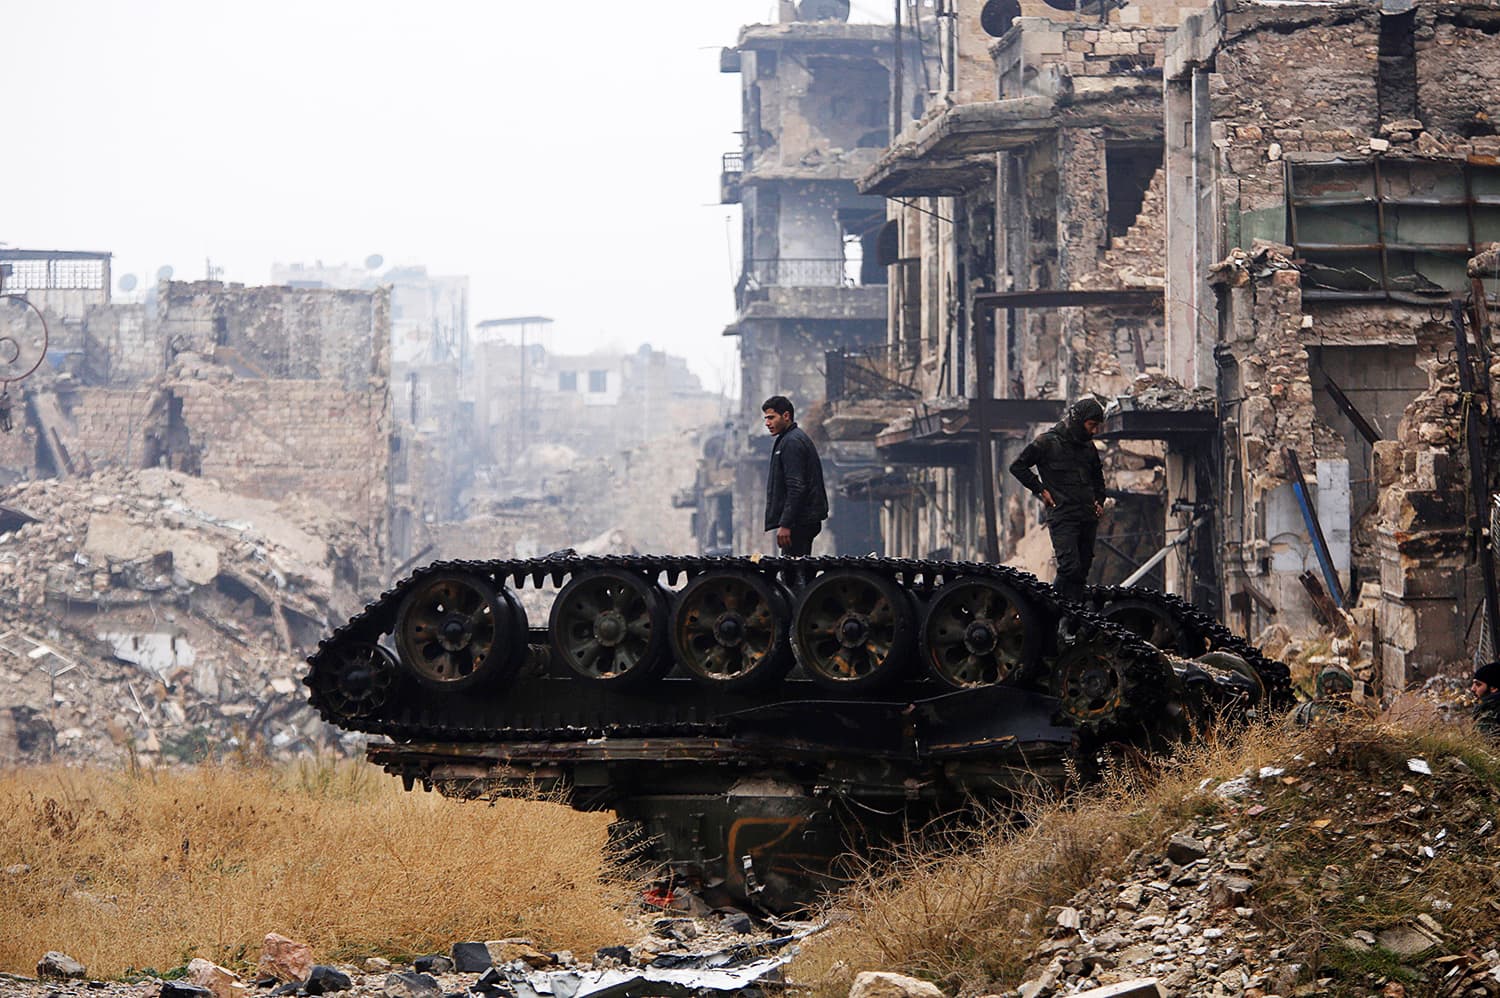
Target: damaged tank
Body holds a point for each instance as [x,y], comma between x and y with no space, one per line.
[752,719]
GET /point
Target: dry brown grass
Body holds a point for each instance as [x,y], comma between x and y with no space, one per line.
[152,868]
[966,916]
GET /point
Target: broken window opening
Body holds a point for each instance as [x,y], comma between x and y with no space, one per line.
[1128,171]
[1396,85]
[1390,228]
[598,382]
[567,381]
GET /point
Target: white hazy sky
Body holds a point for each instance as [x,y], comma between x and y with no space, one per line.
[563,155]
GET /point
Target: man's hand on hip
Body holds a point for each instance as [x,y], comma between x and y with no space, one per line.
[1047,499]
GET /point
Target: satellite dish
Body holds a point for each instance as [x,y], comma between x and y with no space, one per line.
[164,274]
[373,261]
[997,15]
[128,282]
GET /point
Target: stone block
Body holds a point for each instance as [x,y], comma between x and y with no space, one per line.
[881,984]
[1183,848]
[285,959]
[409,985]
[471,958]
[326,980]
[60,967]
[1146,987]
[221,983]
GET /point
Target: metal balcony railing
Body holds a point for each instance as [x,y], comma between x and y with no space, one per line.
[798,272]
[868,373]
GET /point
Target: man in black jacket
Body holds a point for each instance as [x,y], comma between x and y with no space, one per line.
[796,504]
[1069,480]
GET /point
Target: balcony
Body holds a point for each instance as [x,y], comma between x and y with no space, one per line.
[868,374]
[730,174]
[798,272]
[812,288]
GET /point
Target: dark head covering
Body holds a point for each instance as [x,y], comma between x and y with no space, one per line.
[1080,412]
[1489,674]
[1334,681]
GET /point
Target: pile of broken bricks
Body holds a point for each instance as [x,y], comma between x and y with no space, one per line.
[151,611]
[1201,913]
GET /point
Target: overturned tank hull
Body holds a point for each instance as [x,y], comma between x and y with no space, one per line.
[752,720]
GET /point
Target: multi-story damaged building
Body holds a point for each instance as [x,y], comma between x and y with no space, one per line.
[1025,270]
[1245,227]
[1332,168]
[816,115]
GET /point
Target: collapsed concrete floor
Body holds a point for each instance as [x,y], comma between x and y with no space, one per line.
[155,615]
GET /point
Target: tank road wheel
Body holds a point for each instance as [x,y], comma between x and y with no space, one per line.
[358,681]
[1090,682]
[1149,621]
[1234,663]
[611,626]
[729,630]
[853,631]
[979,632]
[454,632]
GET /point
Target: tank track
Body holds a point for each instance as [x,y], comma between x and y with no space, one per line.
[756,787]
[1146,671]
[1207,634]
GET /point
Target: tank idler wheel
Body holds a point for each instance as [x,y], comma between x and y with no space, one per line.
[455,631]
[853,631]
[1090,682]
[979,632]
[1150,621]
[1233,663]
[359,680]
[729,630]
[610,626]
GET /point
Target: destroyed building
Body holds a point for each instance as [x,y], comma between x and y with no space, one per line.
[1332,170]
[432,445]
[816,113]
[1024,253]
[196,488]
[1243,223]
[268,390]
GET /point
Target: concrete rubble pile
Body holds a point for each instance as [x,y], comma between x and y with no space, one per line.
[1220,907]
[154,612]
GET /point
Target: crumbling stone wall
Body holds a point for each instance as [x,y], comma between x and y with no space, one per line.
[1457,64]
[816,96]
[271,438]
[121,347]
[113,427]
[1271,411]
[1423,530]
[280,332]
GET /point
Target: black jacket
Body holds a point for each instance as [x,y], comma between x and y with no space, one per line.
[1487,714]
[794,487]
[1069,468]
